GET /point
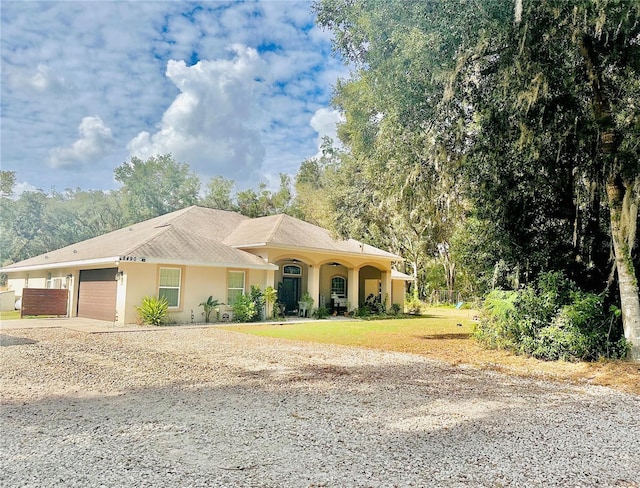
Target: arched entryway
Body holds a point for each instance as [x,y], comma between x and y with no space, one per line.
[290,288]
[291,279]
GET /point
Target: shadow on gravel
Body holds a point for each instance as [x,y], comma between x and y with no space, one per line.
[462,335]
[7,340]
[395,425]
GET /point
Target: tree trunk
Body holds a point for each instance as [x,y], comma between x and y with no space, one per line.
[627,281]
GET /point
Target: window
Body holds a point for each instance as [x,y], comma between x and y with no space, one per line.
[235,286]
[338,286]
[170,285]
[53,283]
[292,269]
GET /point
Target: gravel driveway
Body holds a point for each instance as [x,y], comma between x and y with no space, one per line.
[211,407]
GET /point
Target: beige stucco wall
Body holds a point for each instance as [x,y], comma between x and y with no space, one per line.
[198,283]
[139,280]
[18,281]
[327,273]
[397,293]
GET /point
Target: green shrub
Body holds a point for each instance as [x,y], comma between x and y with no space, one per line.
[362,312]
[413,303]
[257,297]
[153,311]
[395,309]
[497,330]
[321,313]
[551,319]
[244,309]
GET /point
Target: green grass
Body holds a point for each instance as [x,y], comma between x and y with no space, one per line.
[15,315]
[11,315]
[408,334]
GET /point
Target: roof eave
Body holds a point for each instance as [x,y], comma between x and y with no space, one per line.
[391,257]
[63,264]
[211,264]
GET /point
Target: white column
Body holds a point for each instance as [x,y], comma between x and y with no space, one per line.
[271,279]
[121,297]
[385,278]
[353,287]
[313,284]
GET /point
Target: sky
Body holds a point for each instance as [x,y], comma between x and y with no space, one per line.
[234,89]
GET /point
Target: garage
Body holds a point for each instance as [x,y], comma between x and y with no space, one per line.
[97,294]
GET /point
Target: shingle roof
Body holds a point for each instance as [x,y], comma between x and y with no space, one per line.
[288,231]
[192,234]
[204,236]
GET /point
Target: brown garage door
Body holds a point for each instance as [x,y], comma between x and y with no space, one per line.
[97,294]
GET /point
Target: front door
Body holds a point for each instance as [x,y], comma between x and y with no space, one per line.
[290,293]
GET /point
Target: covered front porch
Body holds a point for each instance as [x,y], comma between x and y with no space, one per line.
[338,285]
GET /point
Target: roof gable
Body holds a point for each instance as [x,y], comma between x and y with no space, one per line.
[284,230]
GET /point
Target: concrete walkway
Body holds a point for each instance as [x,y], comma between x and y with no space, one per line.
[91,326]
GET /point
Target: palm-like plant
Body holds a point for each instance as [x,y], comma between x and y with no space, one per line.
[270,297]
[209,305]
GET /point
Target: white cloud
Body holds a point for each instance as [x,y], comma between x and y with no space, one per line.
[46,81]
[239,116]
[213,123]
[325,122]
[23,187]
[95,142]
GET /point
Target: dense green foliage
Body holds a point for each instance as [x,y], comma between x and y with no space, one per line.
[499,139]
[38,222]
[551,319]
[153,310]
[244,309]
[156,186]
[320,313]
[464,111]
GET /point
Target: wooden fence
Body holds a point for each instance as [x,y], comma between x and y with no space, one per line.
[42,301]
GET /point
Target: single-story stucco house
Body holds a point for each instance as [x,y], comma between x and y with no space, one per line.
[193,253]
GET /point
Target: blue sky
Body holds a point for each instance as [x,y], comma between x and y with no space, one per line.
[237,89]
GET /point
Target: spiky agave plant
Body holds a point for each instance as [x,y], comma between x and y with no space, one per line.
[153,310]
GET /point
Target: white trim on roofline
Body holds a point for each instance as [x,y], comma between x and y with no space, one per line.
[64,264]
[400,276]
[389,256]
[267,266]
[115,261]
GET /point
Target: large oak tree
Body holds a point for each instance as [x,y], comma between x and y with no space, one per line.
[525,113]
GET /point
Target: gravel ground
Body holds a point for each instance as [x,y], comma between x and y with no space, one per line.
[210,407]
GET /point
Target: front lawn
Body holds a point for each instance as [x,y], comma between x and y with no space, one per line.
[415,334]
[10,315]
[444,334]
